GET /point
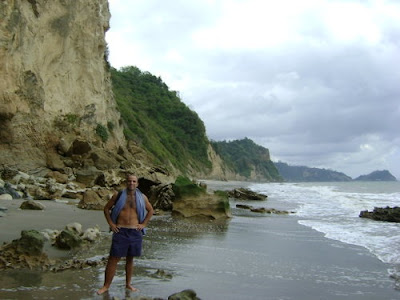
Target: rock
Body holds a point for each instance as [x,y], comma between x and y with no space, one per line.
[9,189]
[91,200]
[50,234]
[54,161]
[262,209]
[80,264]
[91,234]
[25,252]
[205,206]
[104,161]
[58,177]
[269,211]
[74,227]
[184,295]
[246,194]
[243,206]
[68,239]
[31,242]
[30,204]
[161,274]
[386,214]
[6,197]
[162,197]
[88,176]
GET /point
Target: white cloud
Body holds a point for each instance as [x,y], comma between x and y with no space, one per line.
[315,81]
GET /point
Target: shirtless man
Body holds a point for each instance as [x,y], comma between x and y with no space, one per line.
[128,225]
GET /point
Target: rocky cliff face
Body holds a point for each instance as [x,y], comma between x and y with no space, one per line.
[54,82]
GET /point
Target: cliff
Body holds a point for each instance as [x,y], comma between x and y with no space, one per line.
[245,160]
[54,82]
[61,110]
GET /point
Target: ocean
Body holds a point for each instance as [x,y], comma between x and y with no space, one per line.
[321,250]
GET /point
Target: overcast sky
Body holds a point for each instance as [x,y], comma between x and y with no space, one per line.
[317,82]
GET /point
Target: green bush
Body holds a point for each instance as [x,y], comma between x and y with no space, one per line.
[102,132]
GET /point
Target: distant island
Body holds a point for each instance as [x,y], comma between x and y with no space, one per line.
[307,174]
[383,175]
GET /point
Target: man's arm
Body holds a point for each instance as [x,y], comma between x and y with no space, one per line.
[107,209]
[150,212]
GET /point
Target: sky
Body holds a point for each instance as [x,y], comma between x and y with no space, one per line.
[317,82]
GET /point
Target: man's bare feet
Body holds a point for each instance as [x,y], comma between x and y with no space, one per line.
[102,290]
[131,288]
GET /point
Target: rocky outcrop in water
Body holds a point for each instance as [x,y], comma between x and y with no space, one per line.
[246,194]
[387,214]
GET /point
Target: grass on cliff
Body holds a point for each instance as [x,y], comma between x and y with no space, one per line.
[157,119]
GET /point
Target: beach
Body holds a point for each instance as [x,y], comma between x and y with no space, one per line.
[250,256]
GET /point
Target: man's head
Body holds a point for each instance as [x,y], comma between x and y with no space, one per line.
[131,182]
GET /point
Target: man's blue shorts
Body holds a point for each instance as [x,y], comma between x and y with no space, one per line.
[126,242]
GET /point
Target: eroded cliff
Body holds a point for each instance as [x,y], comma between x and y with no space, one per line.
[54,82]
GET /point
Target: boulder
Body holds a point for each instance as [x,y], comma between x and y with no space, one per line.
[184,295]
[31,242]
[6,197]
[91,200]
[33,205]
[104,161]
[206,206]
[54,162]
[387,214]
[88,176]
[25,252]
[68,239]
[58,177]
[246,194]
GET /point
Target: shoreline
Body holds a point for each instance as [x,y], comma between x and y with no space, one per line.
[251,256]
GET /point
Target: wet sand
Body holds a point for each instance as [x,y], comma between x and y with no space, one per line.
[248,257]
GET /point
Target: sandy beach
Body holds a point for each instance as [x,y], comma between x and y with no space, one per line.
[248,257]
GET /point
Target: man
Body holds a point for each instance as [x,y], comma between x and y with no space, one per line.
[127,220]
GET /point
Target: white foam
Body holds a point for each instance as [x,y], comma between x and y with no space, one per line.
[334,209]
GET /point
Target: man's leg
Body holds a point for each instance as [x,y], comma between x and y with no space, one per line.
[128,273]
[109,274]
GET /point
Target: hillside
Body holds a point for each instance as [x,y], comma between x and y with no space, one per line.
[157,120]
[383,175]
[247,159]
[306,174]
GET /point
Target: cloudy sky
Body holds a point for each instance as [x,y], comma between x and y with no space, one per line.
[317,82]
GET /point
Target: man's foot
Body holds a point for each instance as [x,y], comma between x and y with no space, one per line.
[102,290]
[131,288]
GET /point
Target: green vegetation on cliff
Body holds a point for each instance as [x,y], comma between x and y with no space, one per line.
[156,118]
[244,157]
